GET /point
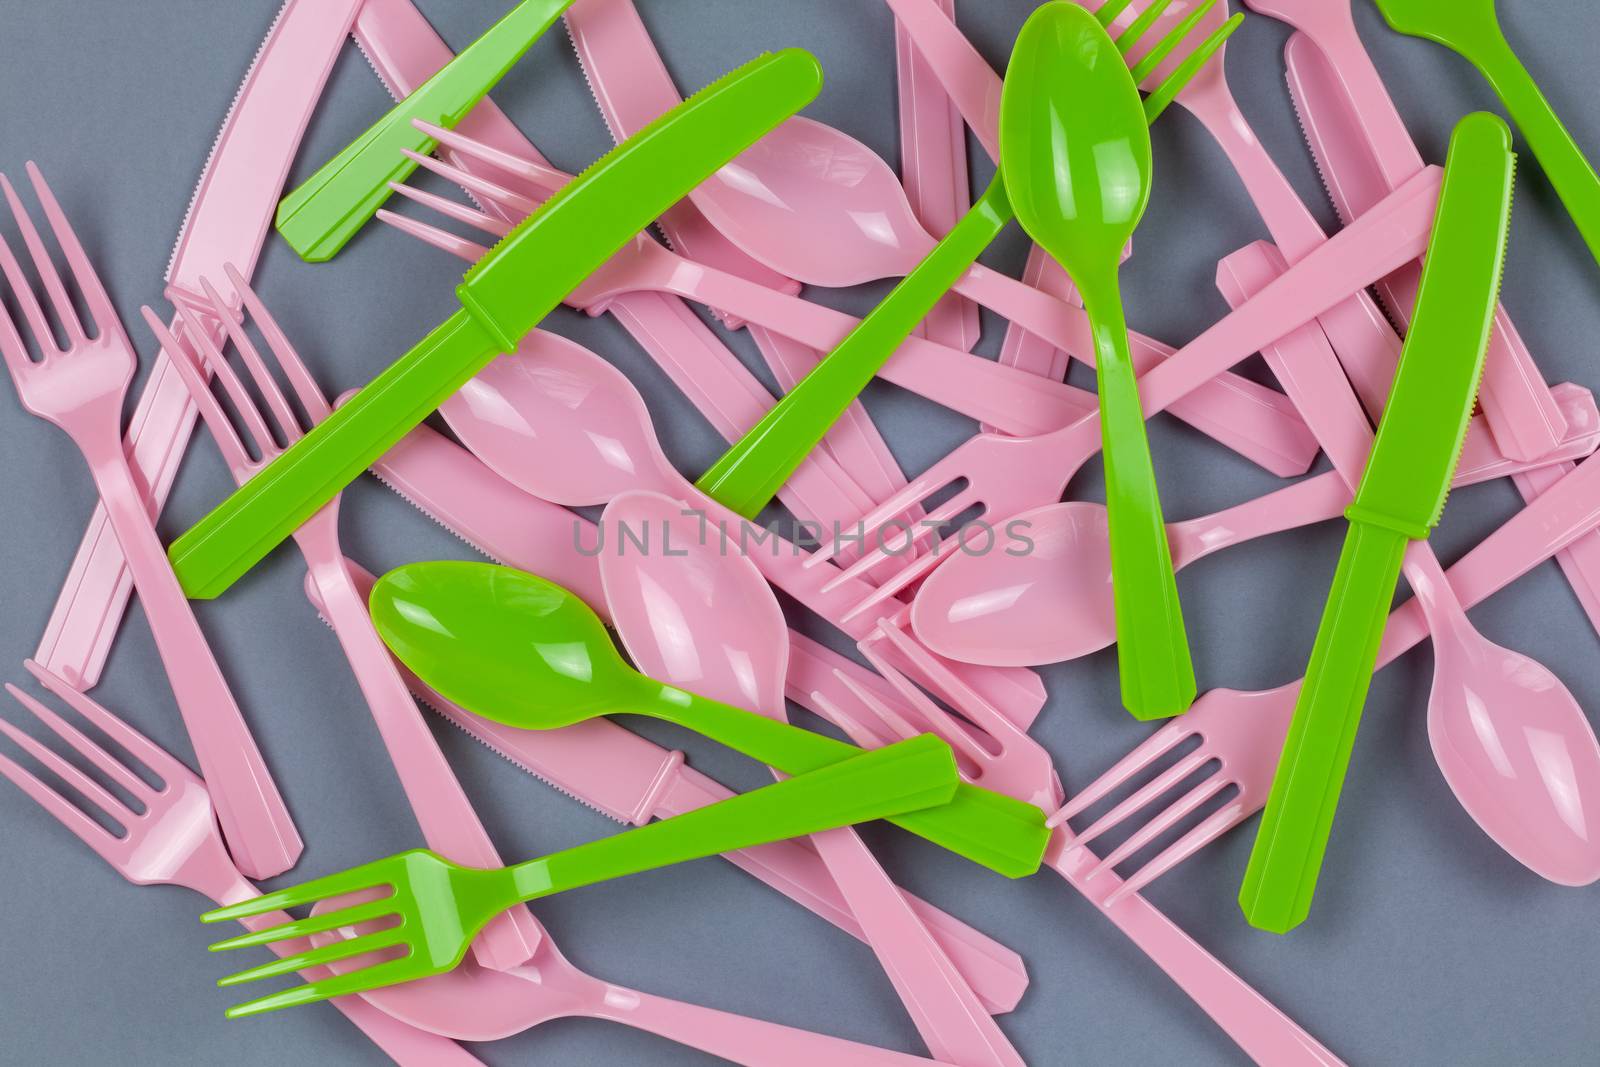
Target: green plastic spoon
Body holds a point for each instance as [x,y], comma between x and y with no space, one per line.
[1075,152]
[1470,29]
[747,476]
[525,652]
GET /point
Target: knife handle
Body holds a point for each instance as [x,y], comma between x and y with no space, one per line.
[1282,875]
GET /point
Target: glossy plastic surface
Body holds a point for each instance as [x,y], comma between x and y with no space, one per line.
[504,296]
[321,215]
[1470,29]
[1075,152]
[1399,498]
[441,906]
[80,388]
[523,651]
[702,617]
[172,837]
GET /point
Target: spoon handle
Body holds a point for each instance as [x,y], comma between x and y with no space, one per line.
[993,830]
[1152,646]
[1563,161]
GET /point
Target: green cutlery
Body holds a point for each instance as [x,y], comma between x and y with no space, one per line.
[1470,29]
[522,651]
[1075,150]
[503,297]
[441,906]
[749,474]
[1400,498]
[330,206]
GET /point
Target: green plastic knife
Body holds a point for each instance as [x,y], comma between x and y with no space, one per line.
[503,297]
[327,209]
[1401,496]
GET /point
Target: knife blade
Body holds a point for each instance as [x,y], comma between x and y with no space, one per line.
[504,296]
[1400,498]
[321,215]
[1346,145]
[227,222]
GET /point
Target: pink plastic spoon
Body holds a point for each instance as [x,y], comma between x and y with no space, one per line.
[696,613]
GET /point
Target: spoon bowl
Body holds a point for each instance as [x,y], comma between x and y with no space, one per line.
[807,177]
[554,397]
[1012,608]
[1517,751]
[502,643]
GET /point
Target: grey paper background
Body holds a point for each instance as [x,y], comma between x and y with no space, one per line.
[1427,946]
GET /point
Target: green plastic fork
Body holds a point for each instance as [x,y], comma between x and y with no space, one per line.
[434,907]
[750,473]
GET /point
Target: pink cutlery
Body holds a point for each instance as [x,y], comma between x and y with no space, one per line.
[1358,141]
[1003,476]
[1255,422]
[442,809]
[227,222]
[173,840]
[1244,731]
[1052,600]
[704,618]
[631,86]
[81,389]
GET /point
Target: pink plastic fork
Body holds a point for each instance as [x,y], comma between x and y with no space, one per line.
[1005,476]
[1260,1029]
[81,389]
[173,840]
[442,809]
[1243,732]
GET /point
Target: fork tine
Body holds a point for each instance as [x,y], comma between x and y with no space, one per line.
[93,752]
[44,267]
[1157,55]
[92,790]
[88,831]
[453,209]
[1173,84]
[381,908]
[1159,825]
[918,489]
[106,319]
[390,972]
[1107,12]
[918,533]
[1144,795]
[216,420]
[335,952]
[937,720]
[857,729]
[312,398]
[888,715]
[1139,26]
[157,759]
[545,178]
[372,875]
[470,251]
[472,183]
[284,415]
[1145,753]
[1212,827]
[901,579]
[21,288]
[224,373]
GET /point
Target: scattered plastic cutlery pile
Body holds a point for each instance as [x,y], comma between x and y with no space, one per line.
[950,597]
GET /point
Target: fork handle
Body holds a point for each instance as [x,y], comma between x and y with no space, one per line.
[905,777]
[254,819]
